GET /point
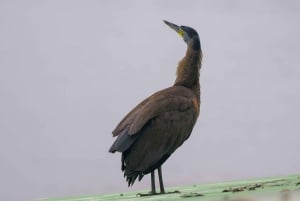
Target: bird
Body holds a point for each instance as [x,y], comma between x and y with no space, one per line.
[150,133]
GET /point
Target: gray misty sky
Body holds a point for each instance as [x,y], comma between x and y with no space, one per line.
[70,70]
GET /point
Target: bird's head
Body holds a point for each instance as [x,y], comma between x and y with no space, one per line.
[189,35]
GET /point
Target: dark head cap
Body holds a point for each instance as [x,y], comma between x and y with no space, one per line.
[189,35]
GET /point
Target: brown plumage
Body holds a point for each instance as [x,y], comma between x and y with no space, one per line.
[157,126]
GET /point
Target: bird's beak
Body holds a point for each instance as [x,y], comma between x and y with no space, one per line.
[175,28]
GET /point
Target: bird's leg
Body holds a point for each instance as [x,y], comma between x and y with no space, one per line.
[153,183]
[153,191]
[161,183]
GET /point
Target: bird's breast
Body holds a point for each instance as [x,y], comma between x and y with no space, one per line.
[196,105]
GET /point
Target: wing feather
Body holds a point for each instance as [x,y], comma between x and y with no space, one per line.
[162,101]
[160,104]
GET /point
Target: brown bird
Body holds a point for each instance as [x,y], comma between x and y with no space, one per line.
[156,127]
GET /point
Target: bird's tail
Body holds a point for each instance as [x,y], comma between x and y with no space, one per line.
[130,175]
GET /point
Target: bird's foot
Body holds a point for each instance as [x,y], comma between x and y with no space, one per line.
[147,194]
[171,192]
[155,193]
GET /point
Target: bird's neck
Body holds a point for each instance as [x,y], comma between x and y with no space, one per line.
[188,70]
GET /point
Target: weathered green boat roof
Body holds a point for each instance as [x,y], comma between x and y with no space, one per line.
[272,186]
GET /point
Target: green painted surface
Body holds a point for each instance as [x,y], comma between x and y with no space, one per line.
[206,192]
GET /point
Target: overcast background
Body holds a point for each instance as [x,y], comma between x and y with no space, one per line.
[70,70]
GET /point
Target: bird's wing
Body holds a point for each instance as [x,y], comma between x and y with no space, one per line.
[158,140]
[173,99]
[170,99]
